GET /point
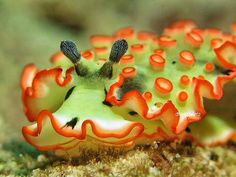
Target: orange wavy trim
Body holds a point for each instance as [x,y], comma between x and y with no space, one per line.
[27,76]
[30,91]
[224,60]
[98,131]
[176,126]
[217,94]
[160,134]
[57,57]
[142,105]
[202,88]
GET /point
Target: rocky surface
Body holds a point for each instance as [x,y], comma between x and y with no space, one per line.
[160,159]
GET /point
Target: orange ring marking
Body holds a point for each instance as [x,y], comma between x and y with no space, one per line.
[215,43]
[184,79]
[157,61]
[57,56]
[201,77]
[209,67]
[88,54]
[198,31]
[145,36]
[183,96]
[101,60]
[101,50]
[213,32]
[163,85]
[129,72]
[166,41]
[160,52]
[233,27]
[137,48]
[126,33]
[148,96]
[187,58]
[194,38]
[105,39]
[127,59]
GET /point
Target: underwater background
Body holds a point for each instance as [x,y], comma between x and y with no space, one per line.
[31,31]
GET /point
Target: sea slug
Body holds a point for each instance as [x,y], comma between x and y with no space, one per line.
[131,88]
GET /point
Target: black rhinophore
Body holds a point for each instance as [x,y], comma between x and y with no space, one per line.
[118,50]
[106,70]
[69,49]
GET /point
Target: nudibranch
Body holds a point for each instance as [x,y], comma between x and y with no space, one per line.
[131,88]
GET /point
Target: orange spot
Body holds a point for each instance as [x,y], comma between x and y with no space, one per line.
[127,59]
[163,85]
[88,54]
[57,56]
[184,79]
[194,38]
[157,61]
[160,52]
[183,96]
[213,32]
[209,67]
[187,58]
[172,31]
[201,77]
[101,50]
[184,24]
[137,48]
[101,40]
[126,33]
[215,43]
[129,72]
[227,37]
[145,36]
[155,40]
[101,60]
[166,41]
[148,96]
[234,39]
[198,31]
[233,27]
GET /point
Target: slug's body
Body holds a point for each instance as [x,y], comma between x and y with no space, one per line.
[131,88]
